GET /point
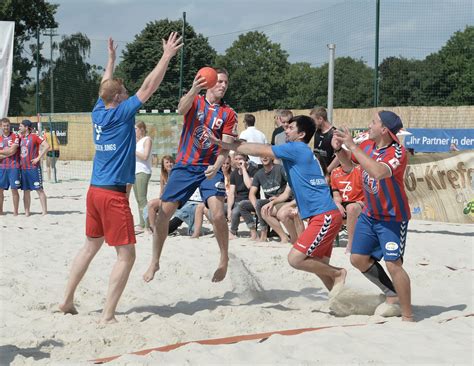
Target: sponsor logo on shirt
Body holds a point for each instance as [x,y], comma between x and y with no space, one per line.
[201,140]
[394,163]
[371,185]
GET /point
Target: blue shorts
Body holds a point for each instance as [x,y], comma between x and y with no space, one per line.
[10,178]
[31,179]
[379,239]
[185,179]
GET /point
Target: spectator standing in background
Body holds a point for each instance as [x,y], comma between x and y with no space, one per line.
[142,172]
[252,134]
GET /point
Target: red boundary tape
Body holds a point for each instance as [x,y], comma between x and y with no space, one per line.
[247,337]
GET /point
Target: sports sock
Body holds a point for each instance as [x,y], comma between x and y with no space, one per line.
[377,276]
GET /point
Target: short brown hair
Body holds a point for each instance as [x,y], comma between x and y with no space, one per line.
[4,120]
[319,112]
[221,70]
[109,89]
[249,119]
[141,125]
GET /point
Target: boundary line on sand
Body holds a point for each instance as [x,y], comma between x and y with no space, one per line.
[261,337]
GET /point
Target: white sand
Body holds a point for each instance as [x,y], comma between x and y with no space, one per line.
[260,294]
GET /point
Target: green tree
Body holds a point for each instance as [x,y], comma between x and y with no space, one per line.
[352,83]
[142,55]
[449,73]
[76,82]
[257,69]
[28,15]
[305,85]
[401,82]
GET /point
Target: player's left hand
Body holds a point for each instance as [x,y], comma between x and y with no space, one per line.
[35,161]
[344,136]
[211,171]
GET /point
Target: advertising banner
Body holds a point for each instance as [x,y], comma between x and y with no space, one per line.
[440,139]
[440,187]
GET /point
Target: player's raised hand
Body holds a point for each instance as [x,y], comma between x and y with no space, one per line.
[172,44]
[342,136]
[112,48]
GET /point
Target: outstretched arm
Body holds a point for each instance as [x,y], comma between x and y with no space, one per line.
[154,78]
[248,148]
[109,69]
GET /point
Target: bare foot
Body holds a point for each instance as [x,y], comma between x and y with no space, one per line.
[68,309]
[14,213]
[232,236]
[27,213]
[220,273]
[105,321]
[284,240]
[44,213]
[407,318]
[194,236]
[339,282]
[150,272]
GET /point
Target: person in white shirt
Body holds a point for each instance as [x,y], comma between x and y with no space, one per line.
[142,172]
[251,134]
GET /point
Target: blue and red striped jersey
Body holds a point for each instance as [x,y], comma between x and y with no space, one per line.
[386,199]
[14,160]
[29,150]
[204,118]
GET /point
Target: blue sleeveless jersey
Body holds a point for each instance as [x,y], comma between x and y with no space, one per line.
[114,141]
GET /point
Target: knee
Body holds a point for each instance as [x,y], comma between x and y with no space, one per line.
[128,256]
[353,209]
[219,217]
[293,260]
[281,216]
[393,267]
[359,262]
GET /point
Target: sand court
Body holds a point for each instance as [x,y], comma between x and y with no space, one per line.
[261,293]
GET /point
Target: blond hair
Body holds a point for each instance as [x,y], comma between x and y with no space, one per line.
[109,89]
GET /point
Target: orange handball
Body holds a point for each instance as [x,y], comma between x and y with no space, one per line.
[210,75]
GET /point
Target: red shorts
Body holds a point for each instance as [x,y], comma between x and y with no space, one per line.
[317,240]
[108,214]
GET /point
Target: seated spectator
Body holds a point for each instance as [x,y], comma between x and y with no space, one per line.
[272,180]
[346,185]
[153,205]
[269,212]
[226,170]
[192,213]
[240,183]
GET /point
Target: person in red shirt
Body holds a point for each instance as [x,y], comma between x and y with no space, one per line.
[381,229]
[198,165]
[32,149]
[9,164]
[346,185]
